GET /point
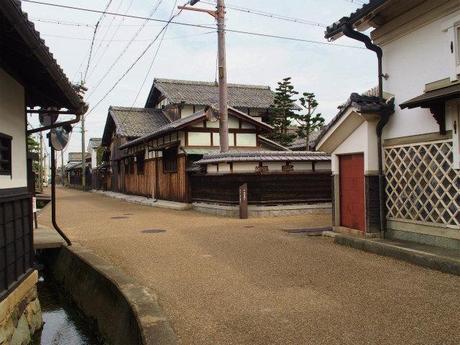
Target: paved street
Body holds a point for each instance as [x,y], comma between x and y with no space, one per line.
[228,281]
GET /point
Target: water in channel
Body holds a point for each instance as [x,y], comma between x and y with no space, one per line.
[63,324]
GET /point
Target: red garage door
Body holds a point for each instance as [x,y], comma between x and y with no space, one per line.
[352,191]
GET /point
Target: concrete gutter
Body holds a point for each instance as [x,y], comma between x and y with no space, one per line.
[124,312]
[425,256]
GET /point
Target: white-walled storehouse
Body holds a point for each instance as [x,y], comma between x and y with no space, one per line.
[420,45]
[30,79]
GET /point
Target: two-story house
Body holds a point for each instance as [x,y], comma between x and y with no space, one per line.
[180,98]
[396,170]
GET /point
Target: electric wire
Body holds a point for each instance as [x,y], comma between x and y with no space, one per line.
[270,15]
[94,37]
[125,49]
[133,64]
[111,39]
[257,34]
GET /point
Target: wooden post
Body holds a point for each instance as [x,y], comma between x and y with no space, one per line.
[244,201]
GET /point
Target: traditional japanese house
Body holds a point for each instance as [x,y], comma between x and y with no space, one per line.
[73,170]
[157,164]
[180,98]
[30,78]
[396,167]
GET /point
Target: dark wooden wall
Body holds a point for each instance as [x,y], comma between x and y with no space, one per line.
[168,186]
[16,238]
[271,188]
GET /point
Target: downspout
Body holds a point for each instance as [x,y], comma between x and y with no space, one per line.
[348,31]
[53,197]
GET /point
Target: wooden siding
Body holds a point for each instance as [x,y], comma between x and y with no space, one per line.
[273,188]
[168,186]
[16,238]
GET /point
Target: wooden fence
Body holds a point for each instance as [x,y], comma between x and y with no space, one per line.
[274,188]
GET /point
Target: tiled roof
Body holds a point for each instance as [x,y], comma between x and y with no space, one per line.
[353,18]
[76,156]
[50,76]
[205,93]
[300,143]
[362,104]
[273,144]
[264,156]
[137,122]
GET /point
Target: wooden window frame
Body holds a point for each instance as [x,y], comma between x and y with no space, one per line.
[6,147]
[169,163]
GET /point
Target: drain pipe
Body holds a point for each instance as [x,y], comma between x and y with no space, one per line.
[348,31]
[53,197]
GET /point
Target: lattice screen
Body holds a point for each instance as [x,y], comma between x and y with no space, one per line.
[421,184]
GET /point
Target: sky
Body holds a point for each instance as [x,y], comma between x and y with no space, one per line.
[332,72]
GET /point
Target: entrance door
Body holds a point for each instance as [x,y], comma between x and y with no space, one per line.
[352,191]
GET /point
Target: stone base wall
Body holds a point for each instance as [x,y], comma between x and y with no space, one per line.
[20,313]
[259,211]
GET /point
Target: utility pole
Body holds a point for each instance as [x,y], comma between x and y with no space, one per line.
[40,166]
[83,155]
[219,15]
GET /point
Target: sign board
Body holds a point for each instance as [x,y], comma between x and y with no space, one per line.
[243,201]
[34,204]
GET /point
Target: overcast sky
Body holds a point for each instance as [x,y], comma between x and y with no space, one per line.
[331,72]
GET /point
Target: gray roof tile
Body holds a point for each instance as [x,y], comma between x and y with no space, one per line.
[137,122]
[205,93]
[264,156]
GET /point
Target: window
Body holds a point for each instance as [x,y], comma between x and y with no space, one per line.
[5,154]
[140,162]
[170,160]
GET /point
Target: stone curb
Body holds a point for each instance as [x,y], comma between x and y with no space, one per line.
[125,312]
[424,259]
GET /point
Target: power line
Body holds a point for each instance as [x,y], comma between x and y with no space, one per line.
[134,63]
[198,25]
[125,49]
[92,41]
[155,54]
[271,15]
[126,40]
[111,39]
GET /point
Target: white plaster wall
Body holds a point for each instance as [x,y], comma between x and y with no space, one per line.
[416,59]
[187,110]
[302,166]
[355,143]
[199,139]
[322,166]
[246,139]
[224,167]
[12,122]
[216,139]
[93,159]
[244,166]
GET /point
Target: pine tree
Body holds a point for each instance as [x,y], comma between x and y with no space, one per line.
[282,112]
[308,121]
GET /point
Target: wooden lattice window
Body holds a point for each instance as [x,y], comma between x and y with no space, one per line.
[5,154]
[421,185]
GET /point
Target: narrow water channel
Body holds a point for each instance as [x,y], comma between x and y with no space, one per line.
[63,324]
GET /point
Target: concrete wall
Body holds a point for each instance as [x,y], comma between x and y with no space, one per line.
[20,313]
[12,122]
[124,312]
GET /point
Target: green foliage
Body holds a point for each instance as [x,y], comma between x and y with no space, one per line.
[32,144]
[308,121]
[282,112]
